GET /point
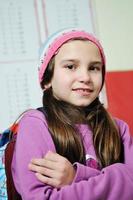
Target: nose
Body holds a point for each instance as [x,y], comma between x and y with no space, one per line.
[84,76]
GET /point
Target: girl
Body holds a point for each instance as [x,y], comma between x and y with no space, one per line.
[79,150]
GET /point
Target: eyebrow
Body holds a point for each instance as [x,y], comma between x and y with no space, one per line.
[77,61]
[69,60]
[96,62]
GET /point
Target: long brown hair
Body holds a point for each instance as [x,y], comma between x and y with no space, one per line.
[62,117]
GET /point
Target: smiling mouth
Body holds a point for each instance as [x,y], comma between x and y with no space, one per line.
[83,91]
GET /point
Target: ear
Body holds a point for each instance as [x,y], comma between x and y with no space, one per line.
[47,86]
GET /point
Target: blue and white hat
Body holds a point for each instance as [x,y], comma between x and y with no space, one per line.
[56,40]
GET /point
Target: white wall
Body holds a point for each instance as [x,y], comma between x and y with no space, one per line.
[115,30]
[21,26]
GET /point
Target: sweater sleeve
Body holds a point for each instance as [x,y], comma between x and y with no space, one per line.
[127,140]
[33,140]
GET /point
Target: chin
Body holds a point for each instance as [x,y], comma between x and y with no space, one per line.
[82,104]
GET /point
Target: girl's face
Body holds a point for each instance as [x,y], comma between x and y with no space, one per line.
[77,77]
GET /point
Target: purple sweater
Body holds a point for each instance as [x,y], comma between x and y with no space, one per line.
[34,140]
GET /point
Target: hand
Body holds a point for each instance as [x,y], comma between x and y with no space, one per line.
[53,169]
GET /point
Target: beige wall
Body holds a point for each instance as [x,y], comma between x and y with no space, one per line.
[115,29]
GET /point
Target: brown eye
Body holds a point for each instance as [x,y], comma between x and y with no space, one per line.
[94,68]
[71,66]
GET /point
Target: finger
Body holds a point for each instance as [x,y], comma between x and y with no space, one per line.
[52,173]
[54,157]
[36,168]
[44,163]
[49,181]
[59,162]
[44,171]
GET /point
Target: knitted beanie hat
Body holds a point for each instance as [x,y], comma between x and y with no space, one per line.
[56,40]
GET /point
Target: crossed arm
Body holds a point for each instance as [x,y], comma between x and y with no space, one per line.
[56,178]
[53,169]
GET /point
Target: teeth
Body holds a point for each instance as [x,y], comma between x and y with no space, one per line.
[83,89]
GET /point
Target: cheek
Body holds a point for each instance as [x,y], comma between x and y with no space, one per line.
[99,82]
[61,78]
[59,82]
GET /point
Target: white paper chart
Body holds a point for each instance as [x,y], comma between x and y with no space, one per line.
[75,13]
[24,25]
[19,91]
[18,32]
[55,15]
[19,43]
